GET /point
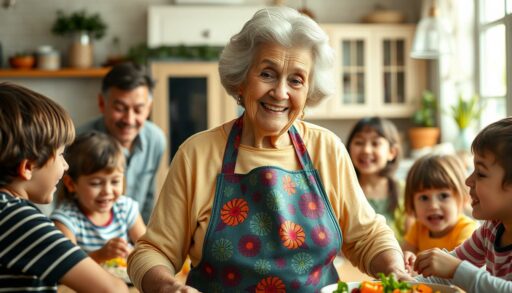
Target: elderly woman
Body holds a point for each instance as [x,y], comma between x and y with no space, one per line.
[265,202]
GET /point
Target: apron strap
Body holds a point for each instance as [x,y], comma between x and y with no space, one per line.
[233,143]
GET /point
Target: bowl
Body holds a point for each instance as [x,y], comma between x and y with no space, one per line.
[354,285]
[22,62]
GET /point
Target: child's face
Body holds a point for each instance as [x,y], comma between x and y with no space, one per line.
[437,209]
[370,152]
[489,198]
[97,192]
[46,178]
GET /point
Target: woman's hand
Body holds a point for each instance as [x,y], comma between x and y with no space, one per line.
[436,262]
[115,247]
[409,259]
[160,279]
[390,262]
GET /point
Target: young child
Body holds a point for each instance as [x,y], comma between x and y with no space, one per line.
[374,147]
[491,244]
[34,255]
[92,211]
[435,195]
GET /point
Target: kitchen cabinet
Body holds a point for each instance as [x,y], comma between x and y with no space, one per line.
[188,98]
[373,72]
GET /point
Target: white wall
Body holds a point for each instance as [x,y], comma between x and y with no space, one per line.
[28,25]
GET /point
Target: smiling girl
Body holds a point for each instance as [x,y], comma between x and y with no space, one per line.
[435,195]
[92,211]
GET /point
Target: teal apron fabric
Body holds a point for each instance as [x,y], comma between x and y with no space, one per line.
[271,230]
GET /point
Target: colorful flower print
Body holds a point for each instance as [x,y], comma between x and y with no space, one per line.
[295,284]
[292,235]
[249,245]
[275,201]
[291,209]
[234,212]
[280,262]
[229,191]
[302,262]
[288,185]
[208,270]
[253,179]
[222,249]
[271,285]
[260,224]
[300,181]
[314,276]
[331,256]
[257,196]
[321,235]
[230,276]
[301,148]
[269,177]
[311,205]
[214,287]
[262,266]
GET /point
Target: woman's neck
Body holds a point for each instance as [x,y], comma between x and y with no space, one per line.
[251,136]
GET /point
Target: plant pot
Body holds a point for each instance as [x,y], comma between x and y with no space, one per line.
[81,51]
[420,137]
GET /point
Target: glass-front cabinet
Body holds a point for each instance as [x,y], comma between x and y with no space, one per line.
[373,71]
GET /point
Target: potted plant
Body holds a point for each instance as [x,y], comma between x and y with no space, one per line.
[464,112]
[425,133]
[82,27]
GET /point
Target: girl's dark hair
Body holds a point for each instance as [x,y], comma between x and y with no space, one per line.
[388,131]
[496,138]
[91,152]
[436,172]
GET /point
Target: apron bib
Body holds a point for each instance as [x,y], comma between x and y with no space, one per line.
[271,230]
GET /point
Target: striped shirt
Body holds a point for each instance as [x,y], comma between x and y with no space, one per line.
[483,249]
[34,255]
[91,237]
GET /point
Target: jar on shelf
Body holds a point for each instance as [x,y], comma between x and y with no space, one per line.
[47,58]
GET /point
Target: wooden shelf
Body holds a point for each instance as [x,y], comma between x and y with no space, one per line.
[96,72]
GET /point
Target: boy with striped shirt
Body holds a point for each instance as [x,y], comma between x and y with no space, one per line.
[34,255]
[491,244]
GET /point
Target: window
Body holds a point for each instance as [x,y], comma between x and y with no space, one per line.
[495,58]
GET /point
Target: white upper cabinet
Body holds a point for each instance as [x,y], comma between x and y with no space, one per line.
[196,25]
[373,71]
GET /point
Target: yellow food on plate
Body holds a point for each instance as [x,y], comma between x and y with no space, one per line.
[116,262]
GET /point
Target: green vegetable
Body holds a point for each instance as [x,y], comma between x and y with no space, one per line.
[342,288]
[389,283]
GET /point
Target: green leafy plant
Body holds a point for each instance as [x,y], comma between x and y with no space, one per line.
[142,53]
[425,116]
[466,111]
[79,21]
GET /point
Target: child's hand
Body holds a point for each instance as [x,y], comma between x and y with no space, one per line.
[409,259]
[115,247]
[436,262]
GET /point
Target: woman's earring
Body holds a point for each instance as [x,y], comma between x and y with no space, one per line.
[239,100]
[303,114]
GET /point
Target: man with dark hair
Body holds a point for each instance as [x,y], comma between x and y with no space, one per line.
[125,102]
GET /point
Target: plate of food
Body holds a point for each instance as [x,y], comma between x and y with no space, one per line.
[387,284]
[117,267]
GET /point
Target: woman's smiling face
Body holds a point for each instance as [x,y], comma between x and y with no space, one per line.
[276,88]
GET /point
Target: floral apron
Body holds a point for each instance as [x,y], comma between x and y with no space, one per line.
[271,230]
